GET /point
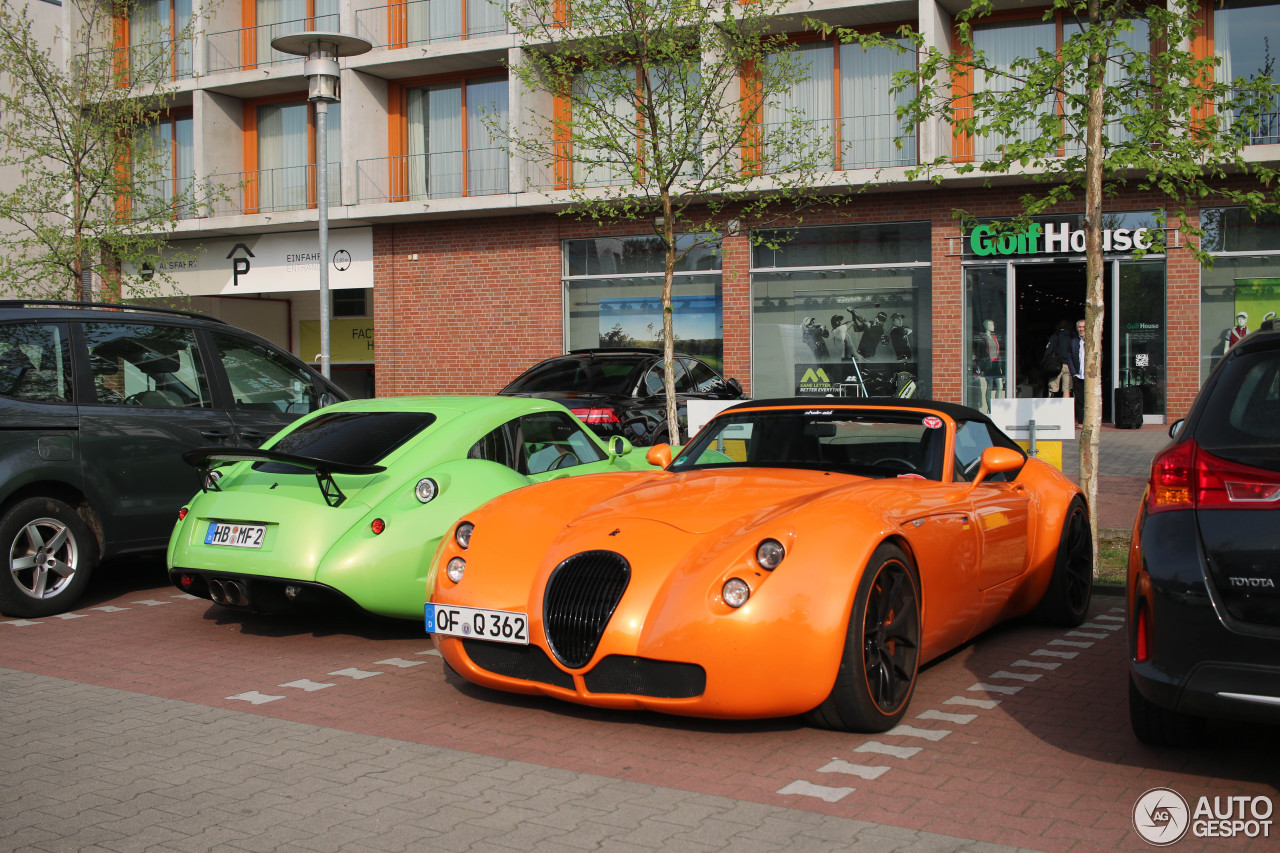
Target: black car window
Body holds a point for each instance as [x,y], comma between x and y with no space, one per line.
[142,364]
[704,379]
[602,374]
[35,362]
[653,380]
[356,438]
[1241,418]
[551,441]
[263,380]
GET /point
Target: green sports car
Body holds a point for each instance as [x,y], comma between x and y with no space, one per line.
[349,503]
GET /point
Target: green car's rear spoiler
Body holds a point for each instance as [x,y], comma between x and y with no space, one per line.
[207,458]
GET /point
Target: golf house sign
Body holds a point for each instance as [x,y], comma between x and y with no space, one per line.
[1054,238]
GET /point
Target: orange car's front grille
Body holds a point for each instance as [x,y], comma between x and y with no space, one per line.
[581,596]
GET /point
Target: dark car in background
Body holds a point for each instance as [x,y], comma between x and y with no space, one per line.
[97,404]
[1204,564]
[620,391]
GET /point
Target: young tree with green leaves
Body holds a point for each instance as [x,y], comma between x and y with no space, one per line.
[90,186]
[658,111]
[1122,101]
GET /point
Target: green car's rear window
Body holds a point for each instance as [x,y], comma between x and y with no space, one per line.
[357,438]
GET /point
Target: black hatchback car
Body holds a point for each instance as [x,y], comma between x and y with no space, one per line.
[97,404]
[620,391]
[1204,564]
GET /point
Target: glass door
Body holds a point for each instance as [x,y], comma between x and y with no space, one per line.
[1140,333]
[988,351]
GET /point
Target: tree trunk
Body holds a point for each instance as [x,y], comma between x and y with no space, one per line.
[1094,313]
[668,323]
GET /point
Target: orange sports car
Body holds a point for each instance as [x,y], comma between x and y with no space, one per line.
[798,556]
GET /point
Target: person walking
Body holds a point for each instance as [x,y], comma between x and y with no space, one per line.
[1077,369]
[1058,351]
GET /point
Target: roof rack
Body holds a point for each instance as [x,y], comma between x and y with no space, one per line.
[115,306]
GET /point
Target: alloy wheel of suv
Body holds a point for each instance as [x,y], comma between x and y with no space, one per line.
[49,554]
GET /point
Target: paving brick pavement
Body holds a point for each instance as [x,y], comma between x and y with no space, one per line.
[1124,461]
[87,768]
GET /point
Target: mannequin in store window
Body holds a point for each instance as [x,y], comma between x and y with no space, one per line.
[989,353]
[1237,332]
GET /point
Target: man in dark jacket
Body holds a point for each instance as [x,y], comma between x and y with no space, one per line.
[1060,345]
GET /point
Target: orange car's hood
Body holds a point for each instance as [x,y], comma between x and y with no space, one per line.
[702,501]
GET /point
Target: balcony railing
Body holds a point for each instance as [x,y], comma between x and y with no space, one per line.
[268,190]
[1268,130]
[174,193]
[445,174]
[235,50]
[429,21]
[146,61]
[850,142]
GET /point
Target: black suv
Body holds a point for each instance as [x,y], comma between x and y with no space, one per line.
[97,404]
[620,391]
[1204,567]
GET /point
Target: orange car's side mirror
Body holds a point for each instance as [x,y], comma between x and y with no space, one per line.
[659,454]
[997,460]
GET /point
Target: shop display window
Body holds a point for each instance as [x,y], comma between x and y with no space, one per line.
[613,290]
[842,311]
[1241,291]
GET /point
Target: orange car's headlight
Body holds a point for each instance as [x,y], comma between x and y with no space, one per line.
[769,554]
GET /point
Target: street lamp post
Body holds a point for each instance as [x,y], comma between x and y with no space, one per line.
[322,51]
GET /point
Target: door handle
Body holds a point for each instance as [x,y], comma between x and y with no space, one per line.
[216,434]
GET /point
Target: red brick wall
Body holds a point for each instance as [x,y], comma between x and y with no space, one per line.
[483,300]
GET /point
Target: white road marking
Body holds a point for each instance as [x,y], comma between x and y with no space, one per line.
[862,771]
[151,602]
[1035,663]
[1095,626]
[307,685]
[1051,654]
[885,749]
[435,652]
[68,616]
[400,662]
[22,623]
[110,608]
[1073,643]
[912,731]
[188,596]
[996,688]
[352,672]
[822,792]
[974,703]
[1088,634]
[961,719]
[253,697]
[1020,676]
[1112,618]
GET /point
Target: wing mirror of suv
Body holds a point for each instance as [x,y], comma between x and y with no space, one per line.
[327,399]
[734,385]
[1176,427]
[618,446]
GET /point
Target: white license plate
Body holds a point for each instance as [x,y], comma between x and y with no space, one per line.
[501,626]
[235,535]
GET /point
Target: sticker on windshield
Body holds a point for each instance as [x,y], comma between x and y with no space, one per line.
[933,422]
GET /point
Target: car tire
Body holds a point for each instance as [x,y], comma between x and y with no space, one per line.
[1158,726]
[877,674]
[1066,600]
[49,555]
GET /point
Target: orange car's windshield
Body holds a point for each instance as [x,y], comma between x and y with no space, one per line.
[866,443]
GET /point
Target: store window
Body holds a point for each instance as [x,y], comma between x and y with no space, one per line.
[1246,34]
[842,311]
[453,139]
[843,98]
[1242,288]
[613,292]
